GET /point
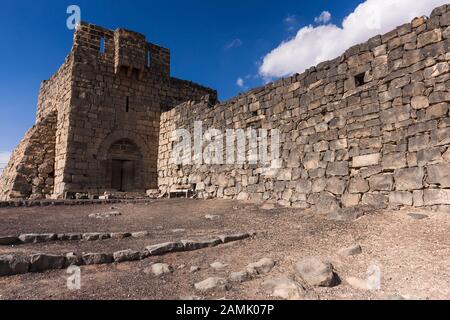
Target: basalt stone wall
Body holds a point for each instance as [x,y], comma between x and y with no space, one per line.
[108,94]
[30,171]
[371,127]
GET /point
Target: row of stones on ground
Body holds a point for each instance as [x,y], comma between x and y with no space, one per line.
[45,203]
[309,273]
[50,237]
[13,265]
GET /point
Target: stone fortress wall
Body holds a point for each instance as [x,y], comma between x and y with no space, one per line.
[103,105]
[370,127]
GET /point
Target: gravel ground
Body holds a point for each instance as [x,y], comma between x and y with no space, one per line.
[413,255]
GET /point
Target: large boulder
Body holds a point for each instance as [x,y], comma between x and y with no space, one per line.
[43,262]
[159,269]
[316,273]
[191,245]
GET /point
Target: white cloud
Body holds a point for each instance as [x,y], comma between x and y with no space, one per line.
[313,45]
[4,159]
[235,43]
[240,82]
[324,17]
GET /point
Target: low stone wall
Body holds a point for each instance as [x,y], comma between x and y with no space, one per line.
[371,127]
[15,264]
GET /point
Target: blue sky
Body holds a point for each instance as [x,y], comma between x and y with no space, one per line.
[214,43]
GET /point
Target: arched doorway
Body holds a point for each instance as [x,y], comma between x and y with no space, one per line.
[125,161]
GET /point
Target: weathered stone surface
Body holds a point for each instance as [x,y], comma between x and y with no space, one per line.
[13,265]
[190,245]
[37,238]
[234,237]
[120,235]
[409,179]
[374,200]
[43,262]
[263,266]
[9,240]
[70,237]
[73,259]
[105,215]
[366,160]
[429,37]
[126,255]
[163,248]
[351,251]
[439,174]
[336,186]
[240,276]
[433,197]
[95,236]
[97,258]
[219,266]
[140,234]
[350,200]
[316,272]
[358,185]
[160,269]
[382,182]
[284,288]
[401,198]
[212,284]
[394,161]
[338,168]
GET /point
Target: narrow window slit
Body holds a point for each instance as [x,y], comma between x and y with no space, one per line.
[102,45]
[127,108]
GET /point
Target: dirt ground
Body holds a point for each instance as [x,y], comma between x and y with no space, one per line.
[413,255]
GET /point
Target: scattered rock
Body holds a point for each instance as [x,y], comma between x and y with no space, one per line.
[120,235]
[316,273]
[234,237]
[191,298]
[97,258]
[140,234]
[163,248]
[284,288]
[351,251]
[43,262]
[268,206]
[417,216]
[178,230]
[357,283]
[194,269]
[181,267]
[126,255]
[212,284]
[212,217]
[240,276]
[9,240]
[105,215]
[263,266]
[37,238]
[159,269]
[218,266]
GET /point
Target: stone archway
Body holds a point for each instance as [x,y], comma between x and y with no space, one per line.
[125,164]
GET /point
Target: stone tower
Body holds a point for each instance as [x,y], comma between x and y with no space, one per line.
[97,122]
